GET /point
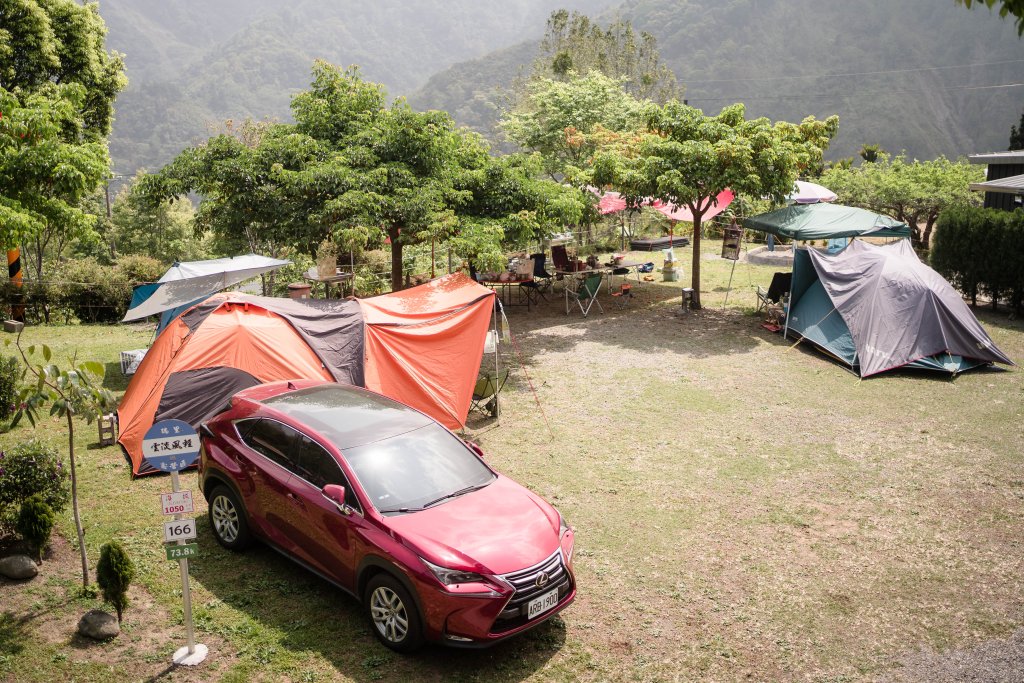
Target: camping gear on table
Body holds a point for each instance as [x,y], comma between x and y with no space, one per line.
[878,307]
[411,345]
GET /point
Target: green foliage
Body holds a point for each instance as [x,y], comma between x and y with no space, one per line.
[870,153]
[1006,8]
[1017,135]
[574,44]
[982,251]
[687,158]
[10,375]
[31,468]
[56,101]
[35,522]
[915,192]
[360,173]
[567,122]
[114,573]
[161,231]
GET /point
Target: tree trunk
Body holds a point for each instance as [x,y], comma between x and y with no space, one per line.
[396,259]
[926,241]
[695,266]
[74,500]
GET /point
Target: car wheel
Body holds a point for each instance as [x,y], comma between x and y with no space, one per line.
[393,615]
[227,519]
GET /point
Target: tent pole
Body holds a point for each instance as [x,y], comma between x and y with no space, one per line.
[497,370]
[789,299]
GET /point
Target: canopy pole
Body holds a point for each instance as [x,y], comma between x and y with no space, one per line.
[729,288]
[789,298]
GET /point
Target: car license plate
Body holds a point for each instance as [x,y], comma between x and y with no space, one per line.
[540,605]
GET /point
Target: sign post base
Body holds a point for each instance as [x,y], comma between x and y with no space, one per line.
[183,658]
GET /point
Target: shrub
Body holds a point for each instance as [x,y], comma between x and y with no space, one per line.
[35,523]
[96,293]
[114,574]
[137,268]
[982,250]
[10,373]
[29,468]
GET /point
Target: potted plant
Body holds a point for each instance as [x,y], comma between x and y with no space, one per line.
[327,259]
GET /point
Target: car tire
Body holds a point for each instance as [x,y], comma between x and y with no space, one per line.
[393,615]
[227,519]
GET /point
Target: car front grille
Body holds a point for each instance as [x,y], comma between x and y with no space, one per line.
[525,584]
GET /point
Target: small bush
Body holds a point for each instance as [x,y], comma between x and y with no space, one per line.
[114,574]
[10,373]
[29,468]
[138,268]
[35,523]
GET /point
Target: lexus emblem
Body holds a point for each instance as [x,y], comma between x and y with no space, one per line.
[542,580]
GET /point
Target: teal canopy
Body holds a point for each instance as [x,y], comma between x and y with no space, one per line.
[826,221]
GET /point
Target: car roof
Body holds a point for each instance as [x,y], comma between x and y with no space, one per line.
[347,416]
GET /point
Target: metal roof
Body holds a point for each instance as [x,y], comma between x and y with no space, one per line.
[1010,185]
[1014,157]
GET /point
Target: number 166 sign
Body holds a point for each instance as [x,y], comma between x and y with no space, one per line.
[179,530]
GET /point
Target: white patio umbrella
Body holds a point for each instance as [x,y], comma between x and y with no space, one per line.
[811,193]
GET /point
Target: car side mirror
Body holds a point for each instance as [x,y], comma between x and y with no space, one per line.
[475,447]
[336,494]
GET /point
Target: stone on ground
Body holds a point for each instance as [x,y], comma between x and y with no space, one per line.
[98,625]
[18,567]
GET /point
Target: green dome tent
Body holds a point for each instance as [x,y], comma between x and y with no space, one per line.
[878,307]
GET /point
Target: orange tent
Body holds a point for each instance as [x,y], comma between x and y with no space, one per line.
[419,346]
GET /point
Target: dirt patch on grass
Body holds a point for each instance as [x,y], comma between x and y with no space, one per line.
[47,608]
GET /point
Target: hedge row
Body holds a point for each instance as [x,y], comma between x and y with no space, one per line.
[82,288]
[981,251]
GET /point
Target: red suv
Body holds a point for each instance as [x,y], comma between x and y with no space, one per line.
[386,503]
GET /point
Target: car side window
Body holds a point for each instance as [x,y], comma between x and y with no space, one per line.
[272,439]
[319,467]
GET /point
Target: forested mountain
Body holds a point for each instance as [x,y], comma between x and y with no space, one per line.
[921,75]
[193,63]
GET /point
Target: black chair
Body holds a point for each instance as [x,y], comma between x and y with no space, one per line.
[781,284]
[534,289]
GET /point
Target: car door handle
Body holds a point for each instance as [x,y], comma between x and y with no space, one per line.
[295,500]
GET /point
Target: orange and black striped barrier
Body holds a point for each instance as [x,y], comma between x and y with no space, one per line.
[14,273]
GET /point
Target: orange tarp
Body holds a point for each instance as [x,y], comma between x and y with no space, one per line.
[423,345]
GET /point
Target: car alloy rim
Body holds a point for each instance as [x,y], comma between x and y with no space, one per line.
[225,519]
[389,615]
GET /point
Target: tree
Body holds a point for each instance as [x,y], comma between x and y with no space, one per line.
[163,231]
[568,121]
[35,523]
[574,45]
[687,158]
[70,393]
[1017,135]
[914,192]
[363,174]
[1006,8]
[114,573]
[57,88]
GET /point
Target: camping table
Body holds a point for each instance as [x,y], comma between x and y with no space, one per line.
[339,278]
[506,290]
[628,265]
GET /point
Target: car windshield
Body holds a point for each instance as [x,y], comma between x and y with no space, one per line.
[417,469]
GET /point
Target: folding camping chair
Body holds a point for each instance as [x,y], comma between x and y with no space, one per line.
[586,295]
[781,283]
[560,257]
[624,295]
[485,393]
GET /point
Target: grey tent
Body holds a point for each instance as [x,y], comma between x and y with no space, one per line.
[878,307]
[803,222]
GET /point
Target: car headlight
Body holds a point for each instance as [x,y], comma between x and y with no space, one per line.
[453,577]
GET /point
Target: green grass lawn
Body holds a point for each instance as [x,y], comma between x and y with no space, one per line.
[745,509]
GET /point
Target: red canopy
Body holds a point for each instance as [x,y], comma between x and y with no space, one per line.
[612,202]
[718,205]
